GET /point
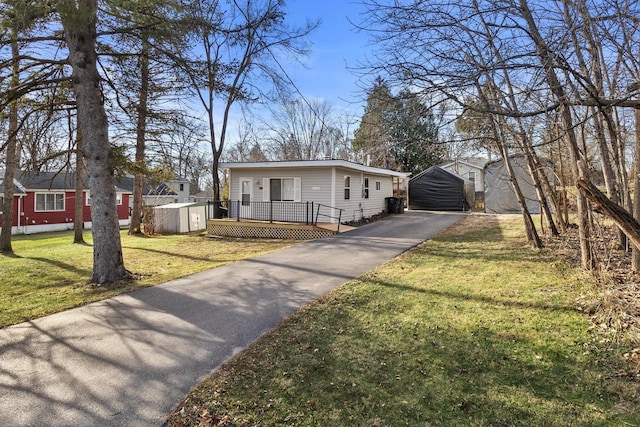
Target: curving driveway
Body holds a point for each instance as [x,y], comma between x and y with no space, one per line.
[129,360]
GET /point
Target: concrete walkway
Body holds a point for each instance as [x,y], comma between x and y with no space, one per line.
[129,360]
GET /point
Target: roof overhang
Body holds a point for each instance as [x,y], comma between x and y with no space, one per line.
[313,164]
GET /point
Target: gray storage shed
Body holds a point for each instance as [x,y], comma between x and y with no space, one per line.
[499,196]
[437,189]
[180,218]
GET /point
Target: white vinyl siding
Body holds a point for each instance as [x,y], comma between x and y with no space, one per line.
[313,185]
[468,172]
[322,185]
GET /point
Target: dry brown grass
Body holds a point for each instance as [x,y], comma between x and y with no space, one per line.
[614,303]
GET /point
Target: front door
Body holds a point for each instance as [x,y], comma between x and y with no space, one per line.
[246,187]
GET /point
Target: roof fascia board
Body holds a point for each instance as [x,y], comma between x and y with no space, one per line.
[313,164]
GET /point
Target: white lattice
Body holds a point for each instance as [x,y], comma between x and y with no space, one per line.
[265,232]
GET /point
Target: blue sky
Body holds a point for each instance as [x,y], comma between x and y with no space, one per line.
[336,45]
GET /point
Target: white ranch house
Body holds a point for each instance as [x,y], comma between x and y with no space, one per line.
[338,190]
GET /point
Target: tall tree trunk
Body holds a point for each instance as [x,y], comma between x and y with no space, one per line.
[547,61]
[78,218]
[536,170]
[11,155]
[635,254]
[532,233]
[615,179]
[138,180]
[79,23]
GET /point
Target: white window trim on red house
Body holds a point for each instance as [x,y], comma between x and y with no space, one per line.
[56,201]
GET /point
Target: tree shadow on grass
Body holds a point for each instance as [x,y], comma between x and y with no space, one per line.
[10,255]
[176,255]
[84,272]
[337,364]
[499,302]
[128,360]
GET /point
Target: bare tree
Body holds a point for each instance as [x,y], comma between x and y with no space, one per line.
[234,58]
[548,61]
[299,129]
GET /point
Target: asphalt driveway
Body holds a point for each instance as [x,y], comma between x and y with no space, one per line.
[129,360]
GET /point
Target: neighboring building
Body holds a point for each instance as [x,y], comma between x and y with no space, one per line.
[499,194]
[156,193]
[180,218]
[437,189]
[45,201]
[471,169]
[204,196]
[359,191]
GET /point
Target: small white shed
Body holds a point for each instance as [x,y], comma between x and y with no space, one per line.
[180,218]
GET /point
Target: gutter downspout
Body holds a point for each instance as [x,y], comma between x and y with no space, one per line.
[333,190]
[19,212]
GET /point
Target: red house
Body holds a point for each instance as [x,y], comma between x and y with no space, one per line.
[45,201]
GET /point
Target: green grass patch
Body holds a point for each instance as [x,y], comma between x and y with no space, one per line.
[471,328]
[48,273]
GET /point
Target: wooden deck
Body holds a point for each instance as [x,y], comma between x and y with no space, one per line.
[271,230]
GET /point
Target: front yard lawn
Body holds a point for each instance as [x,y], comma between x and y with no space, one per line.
[48,273]
[471,328]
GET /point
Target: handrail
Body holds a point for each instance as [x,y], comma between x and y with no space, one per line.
[271,211]
[297,212]
[339,217]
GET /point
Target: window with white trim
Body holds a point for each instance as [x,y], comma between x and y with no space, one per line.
[347,187]
[472,176]
[282,189]
[378,185]
[46,202]
[366,188]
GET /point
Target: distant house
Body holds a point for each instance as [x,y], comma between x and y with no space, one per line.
[354,190]
[45,201]
[204,196]
[156,193]
[471,169]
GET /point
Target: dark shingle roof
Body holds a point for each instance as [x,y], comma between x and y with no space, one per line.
[53,181]
[46,180]
[16,189]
